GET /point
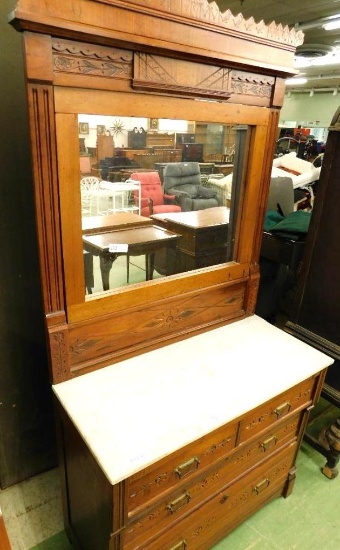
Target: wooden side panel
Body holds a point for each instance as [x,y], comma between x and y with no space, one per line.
[45,172]
[89,505]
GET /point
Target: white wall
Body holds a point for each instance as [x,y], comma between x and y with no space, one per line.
[316,111]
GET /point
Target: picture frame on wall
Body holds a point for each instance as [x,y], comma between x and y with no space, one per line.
[84,128]
[153,123]
[101,130]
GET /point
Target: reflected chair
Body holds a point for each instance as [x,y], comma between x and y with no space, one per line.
[153,200]
[223,187]
[92,196]
[183,179]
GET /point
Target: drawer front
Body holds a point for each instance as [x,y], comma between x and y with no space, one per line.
[217,517]
[211,238]
[179,467]
[275,410]
[180,503]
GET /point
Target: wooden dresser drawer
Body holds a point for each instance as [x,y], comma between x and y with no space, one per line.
[207,524]
[215,237]
[294,399]
[182,465]
[180,502]
[204,240]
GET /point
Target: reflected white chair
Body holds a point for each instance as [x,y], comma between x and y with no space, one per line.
[93,196]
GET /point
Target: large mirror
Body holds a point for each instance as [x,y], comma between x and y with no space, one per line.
[158,196]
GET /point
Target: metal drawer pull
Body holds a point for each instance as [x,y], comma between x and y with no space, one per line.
[180,546]
[261,486]
[282,409]
[176,504]
[265,445]
[187,467]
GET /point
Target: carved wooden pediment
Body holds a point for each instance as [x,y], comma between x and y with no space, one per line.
[209,12]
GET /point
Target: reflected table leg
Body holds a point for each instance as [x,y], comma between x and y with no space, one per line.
[105,263]
[88,269]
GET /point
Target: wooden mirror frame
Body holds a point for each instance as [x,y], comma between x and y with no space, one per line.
[108,57]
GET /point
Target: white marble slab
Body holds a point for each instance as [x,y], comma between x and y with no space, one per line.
[135,412]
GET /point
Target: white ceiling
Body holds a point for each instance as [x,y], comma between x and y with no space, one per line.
[319,45]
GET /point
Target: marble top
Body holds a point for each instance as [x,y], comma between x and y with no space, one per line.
[135,412]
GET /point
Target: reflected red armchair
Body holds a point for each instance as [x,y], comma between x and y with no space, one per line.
[153,200]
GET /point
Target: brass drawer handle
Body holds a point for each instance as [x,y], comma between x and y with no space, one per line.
[282,409]
[180,546]
[261,486]
[187,467]
[271,441]
[176,504]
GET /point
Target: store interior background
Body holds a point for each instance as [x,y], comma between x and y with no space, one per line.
[27,441]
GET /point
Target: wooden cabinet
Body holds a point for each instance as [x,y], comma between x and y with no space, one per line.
[204,236]
[159,139]
[204,464]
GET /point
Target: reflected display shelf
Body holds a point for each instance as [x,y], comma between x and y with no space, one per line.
[122,191]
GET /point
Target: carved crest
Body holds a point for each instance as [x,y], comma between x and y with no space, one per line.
[209,12]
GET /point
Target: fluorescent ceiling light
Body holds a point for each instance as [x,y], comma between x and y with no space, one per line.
[332,25]
[294,80]
[332,58]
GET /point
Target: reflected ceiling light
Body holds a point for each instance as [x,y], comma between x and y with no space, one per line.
[296,80]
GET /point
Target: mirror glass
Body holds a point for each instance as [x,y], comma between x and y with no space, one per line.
[156,197]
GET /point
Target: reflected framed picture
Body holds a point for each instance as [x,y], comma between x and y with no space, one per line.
[101,130]
[153,123]
[83,128]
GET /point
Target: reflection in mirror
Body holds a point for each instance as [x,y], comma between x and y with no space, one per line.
[156,197]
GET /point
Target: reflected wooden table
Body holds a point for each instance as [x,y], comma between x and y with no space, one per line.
[129,241]
[100,224]
[119,220]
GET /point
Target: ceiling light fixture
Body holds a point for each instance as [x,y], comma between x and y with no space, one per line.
[315,23]
[332,25]
[296,80]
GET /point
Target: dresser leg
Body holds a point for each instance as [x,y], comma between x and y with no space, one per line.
[290,482]
[330,439]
